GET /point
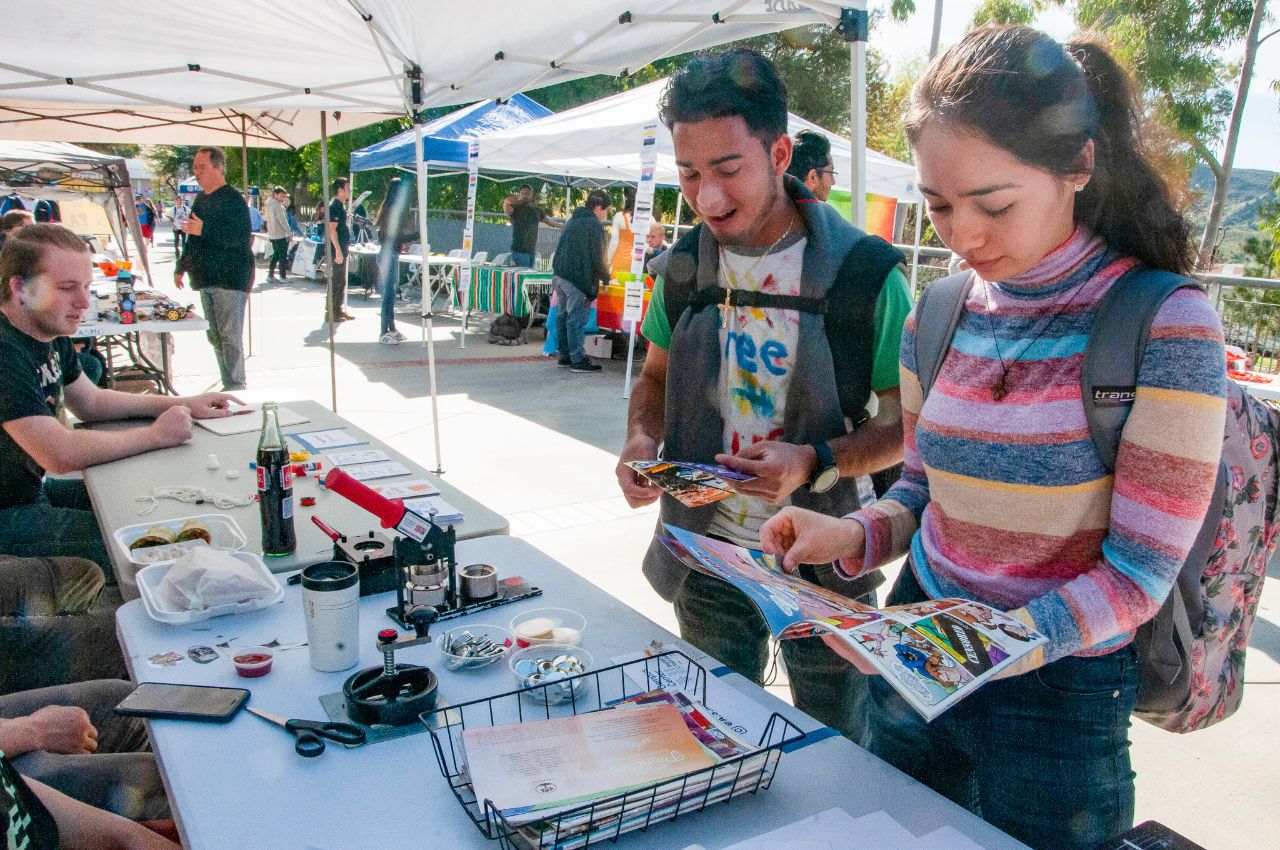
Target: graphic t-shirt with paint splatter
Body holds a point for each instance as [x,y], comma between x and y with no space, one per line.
[757,359]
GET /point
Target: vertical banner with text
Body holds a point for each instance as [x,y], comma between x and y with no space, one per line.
[633,298]
[468,232]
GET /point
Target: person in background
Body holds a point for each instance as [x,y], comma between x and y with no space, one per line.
[580,271]
[394,232]
[621,236]
[655,242]
[278,233]
[811,163]
[219,257]
[339,235]
[1032,160]
[525,218]
[12,220]
[752,386]
[256,222]
[181,211]
[146,218]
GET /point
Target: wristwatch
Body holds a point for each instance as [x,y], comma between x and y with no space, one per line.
[826,473]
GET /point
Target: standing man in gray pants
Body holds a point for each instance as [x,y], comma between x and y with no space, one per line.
[219,256]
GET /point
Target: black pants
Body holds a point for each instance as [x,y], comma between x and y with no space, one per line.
[279,254]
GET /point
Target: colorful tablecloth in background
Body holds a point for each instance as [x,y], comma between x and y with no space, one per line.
[501,290]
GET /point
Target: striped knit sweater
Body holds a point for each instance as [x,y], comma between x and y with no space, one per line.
[1008,502]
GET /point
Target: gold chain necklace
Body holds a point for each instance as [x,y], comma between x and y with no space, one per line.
[728,291]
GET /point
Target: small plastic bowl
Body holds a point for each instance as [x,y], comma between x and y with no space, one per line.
[502,643]
[252,661]
[544,684]
[548,625]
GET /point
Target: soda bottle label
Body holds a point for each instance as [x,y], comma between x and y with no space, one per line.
[262,480]
[286,476]
[286,507]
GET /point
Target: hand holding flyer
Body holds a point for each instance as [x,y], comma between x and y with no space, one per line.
[693,484]
[934,653]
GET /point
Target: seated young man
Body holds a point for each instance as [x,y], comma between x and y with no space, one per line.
[45,274]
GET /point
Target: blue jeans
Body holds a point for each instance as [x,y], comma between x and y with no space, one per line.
[1043,756]
[388,272]
[720,620]
[225,308]
[59,523]
[571,318]
[522,260]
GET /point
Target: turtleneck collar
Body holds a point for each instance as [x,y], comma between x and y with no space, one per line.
[1073,262]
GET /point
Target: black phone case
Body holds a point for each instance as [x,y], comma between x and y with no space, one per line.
[160,712]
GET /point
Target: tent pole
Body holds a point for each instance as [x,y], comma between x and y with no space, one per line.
[858,128]
[328,258]
[244,181]
[568,197]
[428,302]
[675,230]
[424,271]
[915,251]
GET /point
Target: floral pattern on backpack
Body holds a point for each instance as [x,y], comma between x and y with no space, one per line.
[1233,576]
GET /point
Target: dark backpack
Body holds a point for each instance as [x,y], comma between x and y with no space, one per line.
[505,330]
[848,311]
[1192,652]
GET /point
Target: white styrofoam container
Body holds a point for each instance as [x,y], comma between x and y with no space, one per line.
[226,535]
[153,601]
[598,346]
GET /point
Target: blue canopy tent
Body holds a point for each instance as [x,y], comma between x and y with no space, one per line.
[444,142]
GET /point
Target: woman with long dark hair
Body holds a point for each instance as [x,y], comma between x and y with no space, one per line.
[1034,166]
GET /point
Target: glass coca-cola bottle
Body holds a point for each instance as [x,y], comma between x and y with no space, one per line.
[275,487]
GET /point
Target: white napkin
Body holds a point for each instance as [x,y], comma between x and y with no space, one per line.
[207,578]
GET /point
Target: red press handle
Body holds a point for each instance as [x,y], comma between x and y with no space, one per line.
[389,513]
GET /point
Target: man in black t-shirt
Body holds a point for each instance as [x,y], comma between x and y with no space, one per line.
[45,274]
[219,256]
[339,236]
[525,218]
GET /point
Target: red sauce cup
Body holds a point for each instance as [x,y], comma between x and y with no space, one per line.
[252,661]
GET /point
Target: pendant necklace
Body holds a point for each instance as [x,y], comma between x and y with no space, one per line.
[999,389]
[726,306]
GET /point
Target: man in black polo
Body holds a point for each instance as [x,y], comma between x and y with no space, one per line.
[218,255]
[525,218]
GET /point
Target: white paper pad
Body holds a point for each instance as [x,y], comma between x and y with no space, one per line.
[446,514]
[332,438]
[353,458]
[944,838]
[250,420]
[406,489]
[371,471]
[833,829]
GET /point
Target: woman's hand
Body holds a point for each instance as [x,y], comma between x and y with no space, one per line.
[806,537]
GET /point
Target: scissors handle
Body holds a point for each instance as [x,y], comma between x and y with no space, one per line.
[343,733]
[307,744]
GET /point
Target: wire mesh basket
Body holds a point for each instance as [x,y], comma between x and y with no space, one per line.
[608,818]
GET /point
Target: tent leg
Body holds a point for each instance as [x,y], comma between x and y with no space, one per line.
[915,250]
[858,129]
[675,231]
[244,181]
[328,257]
[427,300]
[424,271]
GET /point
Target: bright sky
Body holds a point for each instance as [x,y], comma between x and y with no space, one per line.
[1259,132]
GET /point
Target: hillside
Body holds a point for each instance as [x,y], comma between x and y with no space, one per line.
[1250,187]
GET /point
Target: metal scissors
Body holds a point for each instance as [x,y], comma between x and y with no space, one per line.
[310,734]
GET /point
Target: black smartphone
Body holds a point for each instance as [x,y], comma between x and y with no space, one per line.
[183,702]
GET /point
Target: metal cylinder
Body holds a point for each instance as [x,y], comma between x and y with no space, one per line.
[479,582]
[427,584]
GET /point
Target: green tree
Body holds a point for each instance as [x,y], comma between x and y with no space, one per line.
[1175,48]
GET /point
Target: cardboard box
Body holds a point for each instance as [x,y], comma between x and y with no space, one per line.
[598,346]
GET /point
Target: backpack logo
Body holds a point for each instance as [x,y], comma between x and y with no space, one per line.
[1114,396]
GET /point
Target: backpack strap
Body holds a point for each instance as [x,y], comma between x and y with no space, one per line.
[1113,354]
[850,318]
[938,311]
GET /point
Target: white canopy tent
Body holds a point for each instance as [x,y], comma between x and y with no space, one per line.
[375,56]
[600,140]
[57,171]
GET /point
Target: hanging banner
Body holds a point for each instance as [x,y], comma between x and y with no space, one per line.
[473,176]
[633,297]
